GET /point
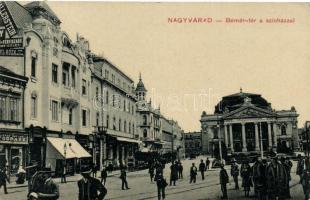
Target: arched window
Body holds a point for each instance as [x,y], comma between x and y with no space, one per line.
[144,133]
[144,120]
[120,125]
[108,121]
[283,130]
[34,103]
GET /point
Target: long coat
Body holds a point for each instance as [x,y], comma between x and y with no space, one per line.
[174,172]
[276,179]
[91,187]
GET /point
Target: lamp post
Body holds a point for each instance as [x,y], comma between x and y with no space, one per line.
[220,142]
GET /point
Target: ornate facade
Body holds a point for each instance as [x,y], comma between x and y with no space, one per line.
[245,122]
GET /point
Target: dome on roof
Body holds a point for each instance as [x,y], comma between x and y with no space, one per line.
[140,86]
[237,100]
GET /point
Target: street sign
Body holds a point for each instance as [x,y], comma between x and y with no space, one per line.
[11,43]
[12,52]
[7,19]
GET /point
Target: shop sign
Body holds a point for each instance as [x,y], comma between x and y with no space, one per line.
[12,52]
[11,43]
[7,20]
[11,138]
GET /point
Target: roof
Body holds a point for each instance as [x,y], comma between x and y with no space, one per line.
[140,86]
[5,71]
[237,100]
[98,59]
[35,6]
[20,14]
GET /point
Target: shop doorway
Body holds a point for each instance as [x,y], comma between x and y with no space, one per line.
[16,159]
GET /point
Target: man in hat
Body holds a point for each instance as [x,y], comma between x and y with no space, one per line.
[3,180]
[161,185]
[193,173]
[123,177]
[202,169]
[300,166]
[104,175]
[258,176]
[224,179]
[90,188]
[234,171]
[46,188]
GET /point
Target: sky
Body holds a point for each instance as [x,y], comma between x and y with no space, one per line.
[188,67]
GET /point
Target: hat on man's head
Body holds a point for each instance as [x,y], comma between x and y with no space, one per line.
[233,160]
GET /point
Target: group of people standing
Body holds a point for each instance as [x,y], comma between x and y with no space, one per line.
[271,180]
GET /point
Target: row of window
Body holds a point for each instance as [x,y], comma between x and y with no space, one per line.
[9,108]
[122,126]
[107,76]
[115,100]
[156,121]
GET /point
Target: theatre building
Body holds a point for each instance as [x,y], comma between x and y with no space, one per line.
[246,122]
[13,139]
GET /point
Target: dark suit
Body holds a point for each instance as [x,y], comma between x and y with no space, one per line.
[3,180]
[88,190]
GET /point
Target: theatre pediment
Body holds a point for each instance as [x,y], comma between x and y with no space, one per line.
[249,112]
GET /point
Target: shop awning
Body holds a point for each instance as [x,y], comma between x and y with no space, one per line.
[122,139]
[68,148]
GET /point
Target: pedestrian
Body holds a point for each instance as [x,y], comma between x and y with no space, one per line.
[110,167]
[94,170]
[258,177]
[161,185]
[276,180]
[305,182]
[193,173]
[104,175]
[47,190]
[282,179]
[234,172]
[300,166]
[246,177]
[288,166]
[180,170]
[123,177]
[173,173]
[3,179]
[151,171]
[224,179]
[63,173]
[90,188]
[202,169]
[207,164]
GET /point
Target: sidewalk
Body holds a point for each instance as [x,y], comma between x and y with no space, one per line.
[74,178]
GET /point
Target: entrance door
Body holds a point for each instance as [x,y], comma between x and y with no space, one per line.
[16,158]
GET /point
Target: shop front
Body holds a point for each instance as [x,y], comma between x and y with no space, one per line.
[13,150]
[65,153]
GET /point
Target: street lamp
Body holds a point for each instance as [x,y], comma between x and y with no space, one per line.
[220,142]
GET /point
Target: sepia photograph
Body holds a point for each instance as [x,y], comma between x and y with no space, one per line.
[140,100]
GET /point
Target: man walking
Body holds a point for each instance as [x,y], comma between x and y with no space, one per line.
[3,180]
[300,166]
[224,179]
[305,182]
[123,177]
[104,175]
[193,173]
[207,164]
[161,185]
[151,171]
[173,173]
[235,173]
[63,173]
[202,169]
[90,188]
[258,176]
[180,170]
